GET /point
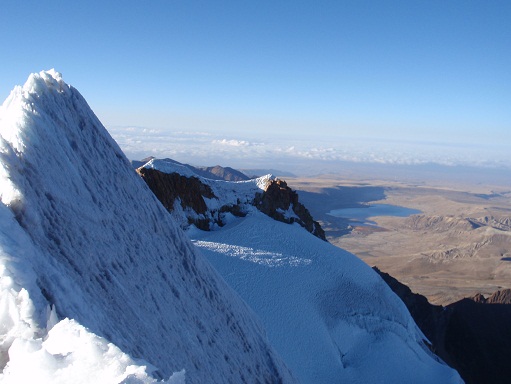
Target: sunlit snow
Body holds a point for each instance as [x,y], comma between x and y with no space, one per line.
[258,256]
[331,318]
[98,284]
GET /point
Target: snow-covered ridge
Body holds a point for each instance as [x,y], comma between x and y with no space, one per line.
[83,238]
[195,201]
[209,204]
[227,192]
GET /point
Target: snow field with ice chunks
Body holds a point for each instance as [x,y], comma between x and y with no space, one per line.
[97,282]
[330,317]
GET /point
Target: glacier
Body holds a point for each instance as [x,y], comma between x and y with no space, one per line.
[329,315]
[98,283]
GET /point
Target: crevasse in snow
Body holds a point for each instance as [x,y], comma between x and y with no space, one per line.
[83,238]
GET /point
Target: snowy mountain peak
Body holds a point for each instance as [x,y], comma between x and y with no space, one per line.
[51,79]
[83,238]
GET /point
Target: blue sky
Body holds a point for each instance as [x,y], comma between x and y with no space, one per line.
[323,72]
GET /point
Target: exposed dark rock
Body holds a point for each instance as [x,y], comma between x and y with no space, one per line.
[191,192]
[278,201]
[281,203]
[472,335]
[169,186]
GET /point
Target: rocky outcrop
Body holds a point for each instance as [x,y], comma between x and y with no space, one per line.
[478,340]
[281,203]
[471,335]
[169,187]
[499,297]
[190,193]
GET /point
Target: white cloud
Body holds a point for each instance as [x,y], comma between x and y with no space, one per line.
[297,154]
[232,142]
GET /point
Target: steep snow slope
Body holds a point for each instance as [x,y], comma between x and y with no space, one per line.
[330,317]
[82,232]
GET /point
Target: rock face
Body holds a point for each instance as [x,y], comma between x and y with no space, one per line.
[189,191]
[195,195]
[281,203]
[478,340]
[472,335]
[499,297]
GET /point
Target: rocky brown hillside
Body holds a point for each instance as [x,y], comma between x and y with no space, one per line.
[479,237]
[471,335]
[440,223]
[447,223]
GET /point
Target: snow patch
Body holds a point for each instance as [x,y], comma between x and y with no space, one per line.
[254,255]
[71,354]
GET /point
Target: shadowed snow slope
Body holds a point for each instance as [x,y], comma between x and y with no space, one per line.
[330,317]
[82,232]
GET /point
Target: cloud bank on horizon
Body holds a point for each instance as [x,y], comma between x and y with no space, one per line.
[291,153]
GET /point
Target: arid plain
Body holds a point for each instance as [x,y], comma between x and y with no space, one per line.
[459,245]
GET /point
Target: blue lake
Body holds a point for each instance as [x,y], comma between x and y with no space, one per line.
[361,214]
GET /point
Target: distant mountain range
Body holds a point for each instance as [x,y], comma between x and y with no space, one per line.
[216,172]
